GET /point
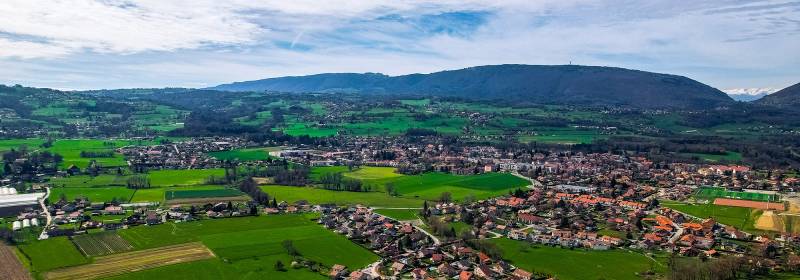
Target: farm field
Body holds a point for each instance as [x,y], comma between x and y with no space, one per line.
[244,244]
[133,261]
[319,196]
[399,214]
[564,263]
[204,193]
[52,253]
[430,186]
[167,178]
[96,194]
[242,154]
[10,266]
[564,136]
[99,244]
[711,193]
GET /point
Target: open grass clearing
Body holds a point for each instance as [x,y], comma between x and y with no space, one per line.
[322,196]
[52,253]
[575,264]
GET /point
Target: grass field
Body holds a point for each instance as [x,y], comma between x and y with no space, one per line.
[122,263]
[430,186]
[319,196]
[575,264]
[711,193]
[105,187]
[184,194]
[52,253]
[248,247]
[242,154]
[94,194]
[399,214]
[166,178]
[728,156]
[739,217]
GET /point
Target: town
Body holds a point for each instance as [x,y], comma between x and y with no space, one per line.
[563,199]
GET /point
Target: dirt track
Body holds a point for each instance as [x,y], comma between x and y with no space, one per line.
[10,267]
[769,221]
[117,264]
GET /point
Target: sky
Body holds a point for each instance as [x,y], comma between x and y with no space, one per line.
[103,44]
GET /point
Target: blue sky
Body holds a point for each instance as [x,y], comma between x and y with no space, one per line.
[91,44]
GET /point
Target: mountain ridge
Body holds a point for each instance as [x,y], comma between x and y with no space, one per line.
[564,84]
[789,96]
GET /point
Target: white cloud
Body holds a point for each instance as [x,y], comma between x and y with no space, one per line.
[117,43]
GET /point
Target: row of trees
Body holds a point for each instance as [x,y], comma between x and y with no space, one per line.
[337,182]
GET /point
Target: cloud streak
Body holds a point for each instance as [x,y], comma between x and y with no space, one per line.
[144,43]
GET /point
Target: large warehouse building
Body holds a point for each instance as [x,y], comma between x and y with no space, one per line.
[12,203]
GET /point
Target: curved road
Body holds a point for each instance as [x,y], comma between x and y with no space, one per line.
[46,213]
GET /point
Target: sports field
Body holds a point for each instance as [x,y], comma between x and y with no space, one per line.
[576,264]
[711,193]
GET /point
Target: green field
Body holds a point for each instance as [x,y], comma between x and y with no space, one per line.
[94,194]
[711,193]
[740,217]
[183,194]
[247,248]
[52,253]
[728,156]
[430,186]
[320,196]
[399,214]
[106,187]
[71,149]
[242,154]
[166,178]
[576,264]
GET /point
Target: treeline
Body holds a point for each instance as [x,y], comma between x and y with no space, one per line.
[138,182]
[250,187]
[97,154]
[337,182]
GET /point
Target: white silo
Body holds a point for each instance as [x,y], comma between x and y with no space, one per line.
[35,222]
[26,223]
[17,225]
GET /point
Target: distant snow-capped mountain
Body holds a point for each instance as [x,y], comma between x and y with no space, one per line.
[749,94]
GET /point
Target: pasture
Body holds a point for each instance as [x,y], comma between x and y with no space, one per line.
[710,193]
[95,194]
[52,253]
[242,154]
[576,264]
[204,193]
[321,196]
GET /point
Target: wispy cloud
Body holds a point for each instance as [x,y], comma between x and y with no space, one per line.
[118,43]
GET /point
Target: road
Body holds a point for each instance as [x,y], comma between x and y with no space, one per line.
[46,213]
[533,184]
[435,239]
